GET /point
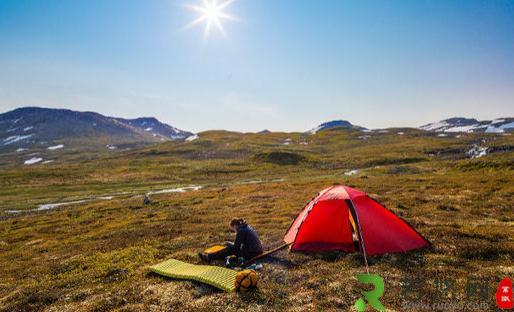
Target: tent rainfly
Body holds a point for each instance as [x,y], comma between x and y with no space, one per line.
[347,219]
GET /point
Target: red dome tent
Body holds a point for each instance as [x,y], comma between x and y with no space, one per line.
[340,216]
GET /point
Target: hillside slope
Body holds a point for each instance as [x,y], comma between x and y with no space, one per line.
[32,135]
[29,126]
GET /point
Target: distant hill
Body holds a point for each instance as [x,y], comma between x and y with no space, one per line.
[27,127]
[460,124]
[334,124]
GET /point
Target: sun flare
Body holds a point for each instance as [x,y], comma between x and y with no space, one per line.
[212,13]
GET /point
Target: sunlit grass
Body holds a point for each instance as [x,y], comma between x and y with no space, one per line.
[94,256]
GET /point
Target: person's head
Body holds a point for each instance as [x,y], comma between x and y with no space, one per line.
[235,222]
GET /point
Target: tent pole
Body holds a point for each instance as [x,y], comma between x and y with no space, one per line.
[365,259]
[359,232]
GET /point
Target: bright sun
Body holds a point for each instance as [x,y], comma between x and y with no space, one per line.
[211,13]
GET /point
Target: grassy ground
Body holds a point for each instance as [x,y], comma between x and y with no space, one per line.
[93,256]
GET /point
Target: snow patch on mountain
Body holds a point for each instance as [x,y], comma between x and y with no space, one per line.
[16,138]
[33,160]
[55,147]
[501,128]
[192,137]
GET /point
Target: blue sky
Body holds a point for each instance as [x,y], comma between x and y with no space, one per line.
[285,65]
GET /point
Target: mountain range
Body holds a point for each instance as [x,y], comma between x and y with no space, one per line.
[45,128]
[29,126]
[460,124]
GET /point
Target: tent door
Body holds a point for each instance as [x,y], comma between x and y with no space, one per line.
[355,223]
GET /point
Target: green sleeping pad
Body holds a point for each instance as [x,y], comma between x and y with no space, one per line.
[218,277]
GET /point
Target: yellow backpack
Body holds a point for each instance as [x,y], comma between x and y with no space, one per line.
[246,280]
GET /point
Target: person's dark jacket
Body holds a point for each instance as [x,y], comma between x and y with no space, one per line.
[247,243]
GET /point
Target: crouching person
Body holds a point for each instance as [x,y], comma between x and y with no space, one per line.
[247,244]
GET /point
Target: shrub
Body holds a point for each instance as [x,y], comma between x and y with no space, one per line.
[281,158]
